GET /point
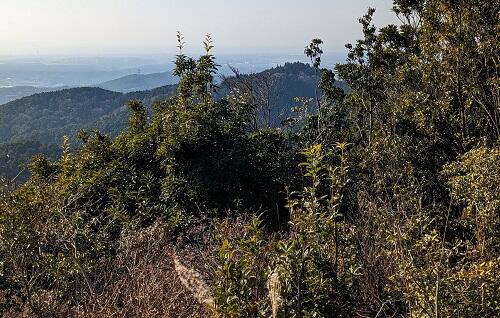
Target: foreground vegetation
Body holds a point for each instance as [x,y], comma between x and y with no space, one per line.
[382,202]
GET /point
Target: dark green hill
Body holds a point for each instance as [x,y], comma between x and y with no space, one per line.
[36,124]
[46,117]
[14,155]
[275,89]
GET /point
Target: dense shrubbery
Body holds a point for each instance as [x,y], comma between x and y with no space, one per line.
[392,212]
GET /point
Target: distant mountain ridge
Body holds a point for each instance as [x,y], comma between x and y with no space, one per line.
[276,87]
[124,84]
[139,82]
[47,116]
[8,94]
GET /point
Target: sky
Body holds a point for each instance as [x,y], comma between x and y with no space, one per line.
[128,27]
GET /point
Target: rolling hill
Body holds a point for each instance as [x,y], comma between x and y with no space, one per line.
[36,124]
[139,82]
[41,120]
[46,117]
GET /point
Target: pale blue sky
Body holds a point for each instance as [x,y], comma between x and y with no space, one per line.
[97,27]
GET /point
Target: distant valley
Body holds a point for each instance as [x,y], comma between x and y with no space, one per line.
[124,84]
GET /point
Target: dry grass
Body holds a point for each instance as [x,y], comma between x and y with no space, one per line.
[274,287]
[144,282]
[194,282]
[141,281]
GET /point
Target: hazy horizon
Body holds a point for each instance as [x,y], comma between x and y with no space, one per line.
[60,71]
[148,27]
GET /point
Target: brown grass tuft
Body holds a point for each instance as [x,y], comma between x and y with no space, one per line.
[274,287]
[193,281]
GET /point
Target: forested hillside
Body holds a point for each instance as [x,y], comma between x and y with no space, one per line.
[382,200]
[45,118]
[36,124]
[15,155]
[274,91]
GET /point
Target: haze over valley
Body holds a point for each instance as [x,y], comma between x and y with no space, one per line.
[20,77]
